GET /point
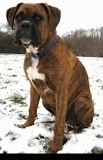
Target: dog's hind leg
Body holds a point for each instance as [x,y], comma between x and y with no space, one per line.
[84,111]
[81,114]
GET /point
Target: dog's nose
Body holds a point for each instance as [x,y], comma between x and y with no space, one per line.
[25,25]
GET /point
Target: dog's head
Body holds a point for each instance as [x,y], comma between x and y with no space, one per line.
[33,23]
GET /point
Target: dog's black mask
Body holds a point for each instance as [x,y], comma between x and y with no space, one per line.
[27,33]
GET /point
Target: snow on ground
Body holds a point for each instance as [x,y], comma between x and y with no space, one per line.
[14,105]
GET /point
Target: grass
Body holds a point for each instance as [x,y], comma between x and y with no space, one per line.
[17,98]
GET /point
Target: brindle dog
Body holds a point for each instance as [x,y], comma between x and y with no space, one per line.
[56,75]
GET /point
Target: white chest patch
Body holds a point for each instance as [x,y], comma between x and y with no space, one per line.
[32,71]
[32,49]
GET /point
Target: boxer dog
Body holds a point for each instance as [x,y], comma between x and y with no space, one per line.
[55,73]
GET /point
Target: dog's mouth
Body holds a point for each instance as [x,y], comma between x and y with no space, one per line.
[25,41]
[28,37]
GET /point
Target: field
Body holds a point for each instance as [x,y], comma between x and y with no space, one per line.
[14,102]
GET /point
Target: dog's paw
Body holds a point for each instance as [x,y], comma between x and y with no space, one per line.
[26,124]
[54,148]
[19,125]
[50,151]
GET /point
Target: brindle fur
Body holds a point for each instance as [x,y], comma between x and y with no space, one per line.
[65,91]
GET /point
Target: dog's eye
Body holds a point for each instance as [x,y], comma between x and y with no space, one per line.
[19,17]
[37,18]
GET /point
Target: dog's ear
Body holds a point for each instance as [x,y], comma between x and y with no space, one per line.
[10,14]
[54,15]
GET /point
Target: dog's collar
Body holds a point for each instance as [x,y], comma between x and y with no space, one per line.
[49,46]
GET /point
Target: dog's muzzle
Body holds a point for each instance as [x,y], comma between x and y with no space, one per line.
[27,33]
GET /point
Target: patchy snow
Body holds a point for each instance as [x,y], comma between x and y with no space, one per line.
[14,105]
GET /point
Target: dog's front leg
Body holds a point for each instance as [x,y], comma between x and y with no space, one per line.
[60,117]
[34,100]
